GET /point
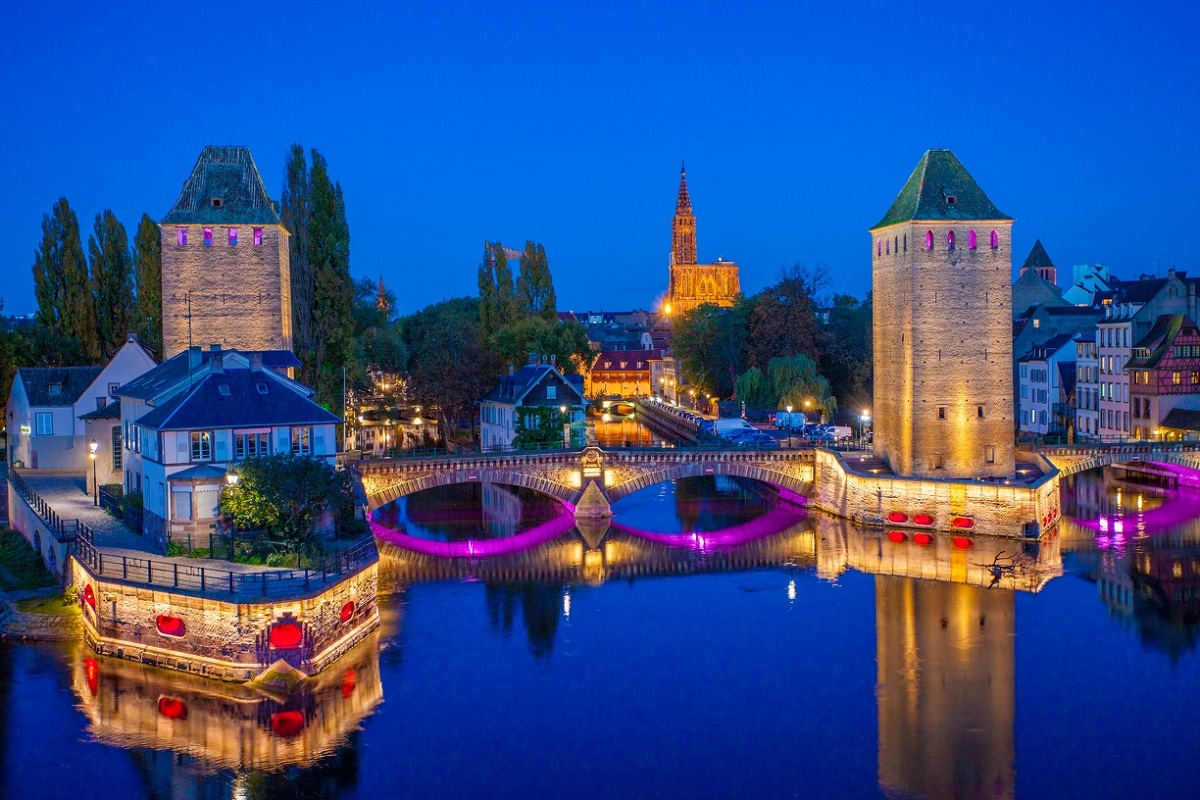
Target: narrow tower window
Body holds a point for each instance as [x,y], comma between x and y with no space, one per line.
[233,237]
[208,237]
[896,245]
[906,242]
[258,237]
[995,240]
[879,247]
[949,240]
[972,240]
[887,246]
[182,234]
[928,240]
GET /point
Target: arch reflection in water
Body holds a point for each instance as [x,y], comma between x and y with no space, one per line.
[229,726]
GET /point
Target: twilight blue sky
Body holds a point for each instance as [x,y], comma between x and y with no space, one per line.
[565,123]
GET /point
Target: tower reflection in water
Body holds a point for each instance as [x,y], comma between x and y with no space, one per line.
[185,731]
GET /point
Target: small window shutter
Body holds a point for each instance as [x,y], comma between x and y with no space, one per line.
[318,440]
[222,445]
[283,441]
[181,443]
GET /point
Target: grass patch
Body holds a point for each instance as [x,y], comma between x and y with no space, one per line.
[55,604]
[20,567]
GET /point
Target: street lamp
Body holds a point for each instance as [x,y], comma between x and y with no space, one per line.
[865,419]
[566,428]
[789,424]
[92,448]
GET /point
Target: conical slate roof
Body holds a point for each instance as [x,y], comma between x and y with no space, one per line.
[1038,257]
[224,188]
[683,203]
[940,188]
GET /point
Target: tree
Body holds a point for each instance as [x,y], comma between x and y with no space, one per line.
[795,382]
[60,281]
[535,287]
[447,363]
[505,307]
[487,291]
[147,269]
[378,342]
[566,341]
[783,320]
[333,288]
[847,350]
[112,282]
[286,494]
[709,342]
[295,211]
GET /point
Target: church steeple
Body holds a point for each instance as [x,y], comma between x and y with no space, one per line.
[381,301]
[683,228]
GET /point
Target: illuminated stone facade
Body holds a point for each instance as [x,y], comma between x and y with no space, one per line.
[226,278]
[941,273]
[694,284]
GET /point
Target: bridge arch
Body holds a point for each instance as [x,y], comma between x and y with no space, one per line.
[384,492]
[698,469]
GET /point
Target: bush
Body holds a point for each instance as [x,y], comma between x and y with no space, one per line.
[175,550]
[199,552]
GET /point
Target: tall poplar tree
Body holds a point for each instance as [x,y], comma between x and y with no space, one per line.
[487,291]
[147,266]
[506,298]
[60,281]
[333,288]
[535,287]
[295,210]
[112,282]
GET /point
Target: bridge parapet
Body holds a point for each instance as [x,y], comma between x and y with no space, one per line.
[1074,458]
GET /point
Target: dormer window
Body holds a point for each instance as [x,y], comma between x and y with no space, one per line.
[55,389]
[217,202]
[223,389]
[261,387]
[951,199]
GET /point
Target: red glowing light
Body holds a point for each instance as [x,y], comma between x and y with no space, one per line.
[922,538]
[897,517]
[349,681]
[287,723]
[286,635]
[91,671]
[347,611]
[89,596]
[962,542]
[962,522]
[172,707]
[896,536]
[923,519]
[170,626]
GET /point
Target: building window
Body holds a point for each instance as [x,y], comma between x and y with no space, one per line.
[44,421]
[949,240]
[233,237]
[258,237]
[906,242]
[1176,378]
[989,454]
[181,234]
[972,240]
[937,461]
[1037,323]
[249,445]
[879,247]
[896,246]
[995,240]
[928,240]
[887,247]
[208,237]
[201,445]
[551,392]
[116,448]
[979,411]
[1195,377]
[302,441]
[941,412]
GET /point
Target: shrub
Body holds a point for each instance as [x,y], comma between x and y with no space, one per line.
[175,550]
[199,552]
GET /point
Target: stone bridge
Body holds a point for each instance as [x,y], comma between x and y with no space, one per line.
[590,480]
[1073,458]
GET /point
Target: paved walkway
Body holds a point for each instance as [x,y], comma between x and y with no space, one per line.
[68,496]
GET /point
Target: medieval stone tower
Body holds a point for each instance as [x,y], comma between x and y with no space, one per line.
[226,277]
[942,271]
[692,284]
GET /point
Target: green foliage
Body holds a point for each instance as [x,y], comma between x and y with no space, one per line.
[709,343]
[198,552]
[782,319]
[847,351]
[112,282]
[285,494]
[538,426]
[20,565]
[61,284]
[295,209]
[147,269]
[176,550]
[566,341]
[535,287]
[447,363]
[378,341]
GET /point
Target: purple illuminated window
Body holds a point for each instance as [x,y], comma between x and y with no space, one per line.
[182,234]
[879,247]
[258,237]
[233,237]
[972,240]
[995,240]
[896,247]
[949,240]
[887,246]
[928,240]
[208,237]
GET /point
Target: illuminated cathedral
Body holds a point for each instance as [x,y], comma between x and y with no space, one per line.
[693,284]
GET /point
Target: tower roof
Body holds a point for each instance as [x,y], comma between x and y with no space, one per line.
[940,188]
[683,205]
[224,188]
[1038,257]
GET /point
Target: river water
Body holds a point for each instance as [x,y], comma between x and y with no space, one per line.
[711,643]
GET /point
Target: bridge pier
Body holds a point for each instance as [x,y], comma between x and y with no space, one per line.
[593,504]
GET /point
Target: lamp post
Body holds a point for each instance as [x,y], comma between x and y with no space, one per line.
[789,424]
[864,420]
[92,448]
[566,423]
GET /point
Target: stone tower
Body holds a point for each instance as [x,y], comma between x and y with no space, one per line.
[692,284]
[941,272]
[1039,261]
[226,277]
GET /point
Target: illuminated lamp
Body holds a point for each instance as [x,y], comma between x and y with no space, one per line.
[962,542]
[922,539]
[922,519]
[286,635]
[286,724]
[347,611]
[170,626]
[1104,523]
[349,681]
[896,536]
[897,517]
[172,707]
[91,671]
[89,596]
[962,522]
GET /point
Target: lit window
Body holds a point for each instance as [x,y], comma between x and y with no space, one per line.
[302,441]
[928,240]
[233,237]
[995,240]
[201,445]
[208,237]
[258,237]
[181,235]
[879,247]
[45,423]
[551,392]
[949,240]
[1176,378]
[1195,377]
[972,240]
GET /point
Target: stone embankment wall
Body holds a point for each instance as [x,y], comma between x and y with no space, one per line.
[220,638]
[658,417]
[998,509]
[47,537]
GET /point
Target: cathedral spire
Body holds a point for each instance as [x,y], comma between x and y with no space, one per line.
[683,227]
[684,204]
[381,301]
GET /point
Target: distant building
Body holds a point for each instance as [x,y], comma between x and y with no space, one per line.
[941,272]
[1039,261]
[691,283]
[621,372]
[537,384]
[1086,281]
[1039,323]
[226,277]
[1087,387]
[1036,283]
[1164,377]
[1047,385]
[47,406]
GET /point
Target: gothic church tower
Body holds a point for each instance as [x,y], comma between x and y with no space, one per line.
[226,275]
[691,283]
[683,227]
[941,274]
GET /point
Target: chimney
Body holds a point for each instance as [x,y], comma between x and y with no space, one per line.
[256,361]
[533,360]
[214,348]
[553,358]
[195,356]
[218,361]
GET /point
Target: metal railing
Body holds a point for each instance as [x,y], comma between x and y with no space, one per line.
[187,575]
[64,530]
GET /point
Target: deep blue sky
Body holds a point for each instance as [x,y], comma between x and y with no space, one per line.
[449,124]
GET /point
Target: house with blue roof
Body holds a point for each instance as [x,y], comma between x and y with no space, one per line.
[538,384]
[189,421]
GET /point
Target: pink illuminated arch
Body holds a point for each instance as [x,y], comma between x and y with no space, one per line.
[995,240]
[949,240]
[928,240]
[972,240]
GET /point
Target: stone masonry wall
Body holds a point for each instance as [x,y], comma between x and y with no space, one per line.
[241,295]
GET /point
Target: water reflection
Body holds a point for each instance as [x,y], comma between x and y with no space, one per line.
[468,511]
